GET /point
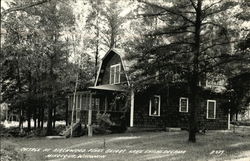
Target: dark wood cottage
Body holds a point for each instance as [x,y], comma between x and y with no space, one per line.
[158,106]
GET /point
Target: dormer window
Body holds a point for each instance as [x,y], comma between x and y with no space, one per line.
[115,74]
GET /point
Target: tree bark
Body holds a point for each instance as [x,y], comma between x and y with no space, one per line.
[194,100]
[39,117]
[42,117]
[29,119]
[67,112]
[49,122]
[54,117]
[50,110]
[19,86]
[35,117]
[194,82]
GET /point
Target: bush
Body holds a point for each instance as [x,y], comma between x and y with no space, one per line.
[105,125]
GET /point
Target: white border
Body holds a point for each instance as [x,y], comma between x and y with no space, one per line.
[214,109]
[180,104]
[159,106]
[119,79]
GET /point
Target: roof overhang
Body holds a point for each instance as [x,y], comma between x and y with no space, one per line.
[109,87]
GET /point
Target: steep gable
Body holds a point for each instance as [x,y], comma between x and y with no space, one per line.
[112,61]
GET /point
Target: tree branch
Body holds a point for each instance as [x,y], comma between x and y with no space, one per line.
[23,7]
[216,44]
[205,9]
[168,11]
[230,59]
[193,4]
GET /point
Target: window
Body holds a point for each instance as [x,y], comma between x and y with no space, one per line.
[183,105]
[211,109]
[115,74]
[154,106]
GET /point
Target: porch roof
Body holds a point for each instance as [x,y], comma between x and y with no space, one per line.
[109,87]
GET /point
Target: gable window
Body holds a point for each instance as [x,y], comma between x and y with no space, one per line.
[183,104]
[154,105]
[115,74]
[211,109]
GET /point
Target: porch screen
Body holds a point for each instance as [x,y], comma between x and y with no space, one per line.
[154,106]
[115,74]
[211,109]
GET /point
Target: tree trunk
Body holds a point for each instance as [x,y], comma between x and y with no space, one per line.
[49,121]
[50,110]
[194,80]
[21,118]
[39,117]
[42,117]
[35,117]
[67,112]
[29,119]
[54,117]
[19,91]
[194,100]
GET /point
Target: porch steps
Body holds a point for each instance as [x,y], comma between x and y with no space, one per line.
[67,132]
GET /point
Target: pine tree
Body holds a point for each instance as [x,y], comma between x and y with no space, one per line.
[191,38]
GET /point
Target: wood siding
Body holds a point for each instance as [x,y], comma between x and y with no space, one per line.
[170,115]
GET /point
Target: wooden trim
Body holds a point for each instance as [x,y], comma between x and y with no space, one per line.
[81,101]
[214,108]
[90,116]
[98,74]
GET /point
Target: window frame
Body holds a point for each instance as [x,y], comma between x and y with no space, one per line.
[214,116]
[115,74]
[180,104]
[159,106]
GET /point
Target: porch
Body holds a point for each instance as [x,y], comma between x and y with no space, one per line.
[86,106]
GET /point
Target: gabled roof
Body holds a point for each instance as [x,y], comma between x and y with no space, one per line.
[125,63]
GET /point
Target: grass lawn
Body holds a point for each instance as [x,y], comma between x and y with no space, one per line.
[214,145]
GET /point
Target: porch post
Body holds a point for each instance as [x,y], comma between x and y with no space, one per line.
[132,108]
[81,102]
[105,104]
[90,116]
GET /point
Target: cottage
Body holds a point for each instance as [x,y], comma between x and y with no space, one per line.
[158,106]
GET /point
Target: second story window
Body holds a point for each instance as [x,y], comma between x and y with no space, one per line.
[115,74]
